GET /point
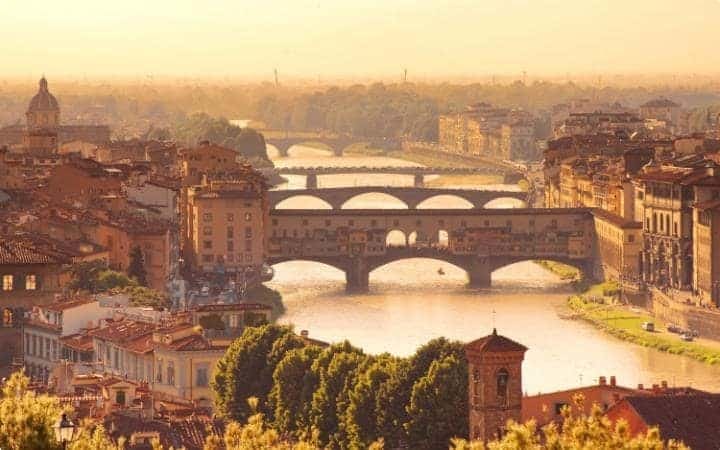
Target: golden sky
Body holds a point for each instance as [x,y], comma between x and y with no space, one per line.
[431,38]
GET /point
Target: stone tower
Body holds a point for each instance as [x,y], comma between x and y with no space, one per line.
[495,385]
[43,120]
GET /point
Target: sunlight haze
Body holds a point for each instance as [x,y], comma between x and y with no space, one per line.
[311,38]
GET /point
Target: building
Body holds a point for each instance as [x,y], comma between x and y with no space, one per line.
[485,130]
[619,245]
[43,133]
[44,331]
[586,123]
[495,385]
[691,419]
[706,251]
[662,110]
[229,216]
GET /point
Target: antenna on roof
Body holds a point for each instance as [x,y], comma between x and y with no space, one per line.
[277,82]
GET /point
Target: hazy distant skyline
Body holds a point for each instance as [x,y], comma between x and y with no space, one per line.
[342,38]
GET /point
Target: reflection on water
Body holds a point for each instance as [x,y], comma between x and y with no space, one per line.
[410,302]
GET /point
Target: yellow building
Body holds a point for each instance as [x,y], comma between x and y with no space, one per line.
[706,251]
[619,245]
[228,216]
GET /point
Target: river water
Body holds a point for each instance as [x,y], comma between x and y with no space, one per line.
[410,303]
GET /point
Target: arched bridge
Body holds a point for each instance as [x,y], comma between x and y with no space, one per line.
[312,173]
[411,196]
[478,240]
[336,143]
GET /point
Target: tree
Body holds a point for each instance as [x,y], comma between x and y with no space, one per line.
[439,405]
[289,399]
[94,277]
[136,268]
[577,431]
[143,296]
[246,368]
[27,419]
[359,417]
[94,439]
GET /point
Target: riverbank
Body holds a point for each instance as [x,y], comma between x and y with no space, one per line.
[596,305]
[564,271]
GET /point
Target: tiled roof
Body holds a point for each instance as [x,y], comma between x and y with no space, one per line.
[68,304]
[494,343]
[123,331]
[615,219]
[22,252]
[692,419]
[81,342]
[660,103]
[194,342]
[187,433]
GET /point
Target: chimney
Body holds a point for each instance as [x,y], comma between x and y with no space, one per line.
[640,387]
[602,381]
[304,333]
[656,388]
[664,384]
[612,380]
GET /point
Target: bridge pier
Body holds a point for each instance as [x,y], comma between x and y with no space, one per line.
[311,181]
[357,276]
[480,272]
[419,181]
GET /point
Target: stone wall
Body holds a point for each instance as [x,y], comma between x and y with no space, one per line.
[705,321]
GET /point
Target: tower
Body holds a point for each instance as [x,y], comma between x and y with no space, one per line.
[494,385]
[43,120]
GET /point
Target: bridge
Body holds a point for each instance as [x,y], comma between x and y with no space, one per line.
[419,172]
[336,143]
[410,196]
[476,240]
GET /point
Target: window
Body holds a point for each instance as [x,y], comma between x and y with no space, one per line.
[559,407]
[502,385]
[7,283]
[248,232]
[207,245]
[207,231]
[248,217]
[207,217]
[207,258]
[230,232]
[248,245]
[158,376]
[305,222]
[631,238]
[230,217]
[230,246]
[30,282]
[120,398]
[171,373]
[201,377]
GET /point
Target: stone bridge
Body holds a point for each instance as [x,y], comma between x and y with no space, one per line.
[478,240]
[312,173]
[336,143]
[411,196]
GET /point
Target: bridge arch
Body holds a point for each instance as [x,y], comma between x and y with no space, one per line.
[396,238]
[582,266]
[387,200]
[308,202]
[425,258]
[505,202]
[307,259]
[440,201]
[327,149]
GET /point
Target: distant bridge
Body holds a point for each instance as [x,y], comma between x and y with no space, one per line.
[477,240]
[410,196]
[335,143]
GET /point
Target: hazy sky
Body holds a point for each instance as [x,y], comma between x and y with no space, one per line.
[357,37]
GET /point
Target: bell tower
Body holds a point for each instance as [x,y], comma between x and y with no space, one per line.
[494,385]
[43,120]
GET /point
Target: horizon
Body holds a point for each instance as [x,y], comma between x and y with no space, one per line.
[311,40]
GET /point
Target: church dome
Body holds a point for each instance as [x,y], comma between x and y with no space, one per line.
[43,100]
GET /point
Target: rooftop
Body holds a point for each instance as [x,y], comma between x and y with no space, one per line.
[494,343]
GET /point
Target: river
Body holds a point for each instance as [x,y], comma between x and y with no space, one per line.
[410,303]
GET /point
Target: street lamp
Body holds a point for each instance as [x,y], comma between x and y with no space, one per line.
[64,430]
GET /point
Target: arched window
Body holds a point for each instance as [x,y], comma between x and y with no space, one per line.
[503,377]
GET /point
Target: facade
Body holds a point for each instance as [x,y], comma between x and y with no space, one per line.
[229,216]
[494,385]
[664,110]
[619,245]
[706,251]
[586,123]
[485,130]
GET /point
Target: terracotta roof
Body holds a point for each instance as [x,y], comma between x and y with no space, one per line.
[692,419]
[615,219]
[495,343]
[666,175]
[187,433]
[124,331]
[22,252]
[194,342]
[81,342]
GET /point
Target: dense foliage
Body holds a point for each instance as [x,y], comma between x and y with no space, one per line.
[95,277]
[136,268]
[342,397]
[27,419]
